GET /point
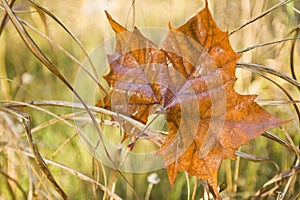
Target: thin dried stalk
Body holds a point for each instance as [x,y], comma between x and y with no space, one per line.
[255,158]
[261,15]
[276,103]
[292,67]
[15,181]
[268,43]
[36,51]
[269,70]
[277,178]
[69,55]
[25,120]
[80,175]
[156,137]
[57,20]
[258,69]
[71,105]
[280,141]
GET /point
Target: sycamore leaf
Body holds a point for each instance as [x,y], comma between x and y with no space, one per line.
[190,80]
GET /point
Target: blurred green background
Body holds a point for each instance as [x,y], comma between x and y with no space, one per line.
[23,78]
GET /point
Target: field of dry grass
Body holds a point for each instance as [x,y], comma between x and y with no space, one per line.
[42,155]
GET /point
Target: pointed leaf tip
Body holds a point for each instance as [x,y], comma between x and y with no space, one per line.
[206,3]
[116,26]
[170,26]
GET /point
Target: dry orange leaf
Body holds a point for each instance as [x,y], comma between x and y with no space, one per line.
[190,79]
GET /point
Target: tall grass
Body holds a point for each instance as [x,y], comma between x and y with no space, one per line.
[43,46]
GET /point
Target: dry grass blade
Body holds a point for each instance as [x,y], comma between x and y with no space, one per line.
[289,182]
[269,70]
[292,57]
[43,59]
[77,174]
[280,87]
[296,163]
[56,119]
[11,104]
[63,50]
[132,8]
[12,82]
[268,43]
[261,15]
[293,7]
[25,120]
[194,188]
[40,55]
[5,18]
[15,182]
[279,141]
[68,140]
[38,6]
[276,103]
[255,158]
[277,178]
[32,45]
[10,190]
[295,148]
[188,185]
[157,137]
